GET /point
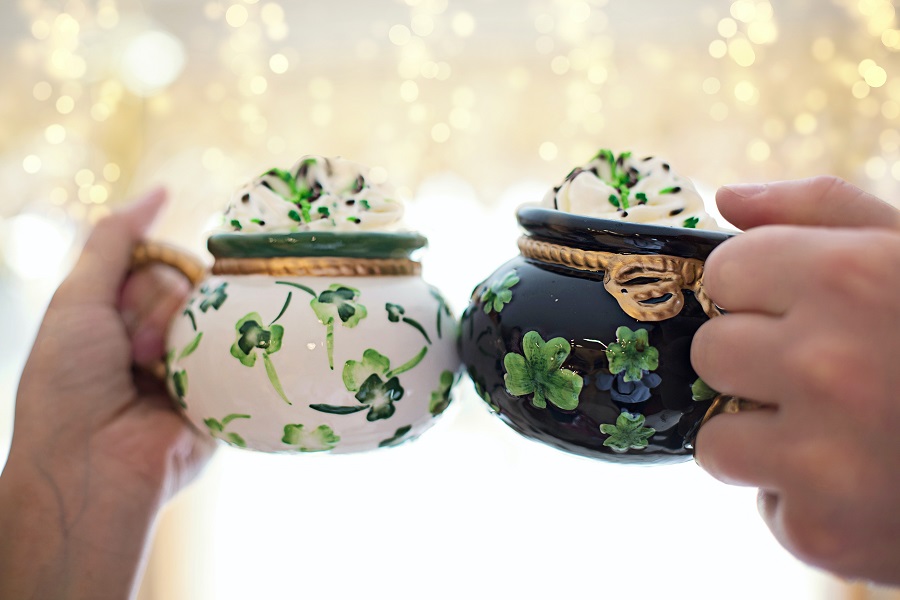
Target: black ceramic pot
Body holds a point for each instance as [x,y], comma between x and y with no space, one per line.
[583,341]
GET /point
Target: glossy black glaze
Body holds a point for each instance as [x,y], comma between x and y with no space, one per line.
[617,236]
[558,301]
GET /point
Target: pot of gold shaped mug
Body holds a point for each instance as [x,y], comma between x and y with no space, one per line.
[582,342]
[318,337]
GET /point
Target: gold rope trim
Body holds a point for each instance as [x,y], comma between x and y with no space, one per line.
[324,266]
[647,287]
[147,253]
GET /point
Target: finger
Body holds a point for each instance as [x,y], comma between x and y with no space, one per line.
[736,354]
[106,256]
[754,271]
[819,201]
[742,448]
[149,301]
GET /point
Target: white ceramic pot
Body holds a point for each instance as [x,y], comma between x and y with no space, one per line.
[313,343]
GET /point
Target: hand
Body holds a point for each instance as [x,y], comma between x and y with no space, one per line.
[97,447]
[812,292]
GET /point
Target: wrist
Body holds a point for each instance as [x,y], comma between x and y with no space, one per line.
[69,535]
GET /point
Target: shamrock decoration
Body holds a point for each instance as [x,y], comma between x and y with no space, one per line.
[629,392]
[397,438]
[395,315]
[253,336]
[701,391]
[540,372]
[498,294]
[440,398]
[632,353]
[628,432]
[213,298]
[320,439]
[217,430]
[375,383]
[337,302]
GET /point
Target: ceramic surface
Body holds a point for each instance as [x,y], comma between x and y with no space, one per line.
[313,363]
[594,360]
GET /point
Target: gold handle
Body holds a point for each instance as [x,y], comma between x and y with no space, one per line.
[149,253]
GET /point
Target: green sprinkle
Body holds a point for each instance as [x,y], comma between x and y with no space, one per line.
[323,210]
[365,204]
[670,190]
[613,200]
[641,197]
[691,222]
[353,220]
[295,216]
[236,224]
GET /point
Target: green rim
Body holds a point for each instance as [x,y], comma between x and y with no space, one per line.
[317,244]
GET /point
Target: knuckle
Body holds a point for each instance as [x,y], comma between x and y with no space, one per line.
[820,366]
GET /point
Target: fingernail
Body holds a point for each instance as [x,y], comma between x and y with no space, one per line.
[746,190]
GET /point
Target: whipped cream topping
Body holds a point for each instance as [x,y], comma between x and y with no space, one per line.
[316,194]
[638,190]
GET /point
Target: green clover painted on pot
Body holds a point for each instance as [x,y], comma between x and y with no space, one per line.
[632,353]
[254,339]
[179,377]
[213,298]
[701,392]
[375,384]
[180,384]
[320,439]
[338,302]
[440,398]
[540,372]
[398,438]
[628,433]
[497,295]
[442,310]
[217,430]
[395,315]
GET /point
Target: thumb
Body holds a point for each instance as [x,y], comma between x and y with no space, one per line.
[819,201]
[106,257]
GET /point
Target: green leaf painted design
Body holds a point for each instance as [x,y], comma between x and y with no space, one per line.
[442,311]
[376,386]
[497,295]
[217,429]
[440,398]
[395,315]
[628,432]
[540,372]
[397,438]
[189,349]
[379,395]
[213,298]
[701,392]
[632,353]
[320,439]
[356,372]
[180,383]
[337,303]
[254,339]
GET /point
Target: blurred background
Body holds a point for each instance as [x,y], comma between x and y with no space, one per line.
[470,108]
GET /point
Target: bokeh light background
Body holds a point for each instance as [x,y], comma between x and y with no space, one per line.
[470,108]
